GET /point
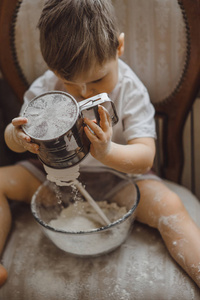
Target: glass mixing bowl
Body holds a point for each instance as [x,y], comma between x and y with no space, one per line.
[110,186]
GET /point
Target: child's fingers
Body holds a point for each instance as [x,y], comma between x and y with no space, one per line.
[31,147]
[90,135]
[25,141]
[19,134]
[94,131]
[23,136]
[105,121]
[19,121]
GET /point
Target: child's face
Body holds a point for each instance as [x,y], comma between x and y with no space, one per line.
[100,79]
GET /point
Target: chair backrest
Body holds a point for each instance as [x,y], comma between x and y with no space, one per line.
[162,46]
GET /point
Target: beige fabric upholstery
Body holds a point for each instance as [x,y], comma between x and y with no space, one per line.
[140,269]
[27,39]
[156,55]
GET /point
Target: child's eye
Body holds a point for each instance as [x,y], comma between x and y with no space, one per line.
[97,80]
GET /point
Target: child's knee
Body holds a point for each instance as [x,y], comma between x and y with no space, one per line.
[171,211]
[159,204]
[171,204]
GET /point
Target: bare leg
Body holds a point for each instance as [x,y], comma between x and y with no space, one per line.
[162,209]
[16,183]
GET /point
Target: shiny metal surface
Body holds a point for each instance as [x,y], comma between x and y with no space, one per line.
[69,148]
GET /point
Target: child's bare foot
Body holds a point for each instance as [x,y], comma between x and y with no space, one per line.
[3,275]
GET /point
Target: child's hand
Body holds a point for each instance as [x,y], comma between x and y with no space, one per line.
[22,139]
[101,136]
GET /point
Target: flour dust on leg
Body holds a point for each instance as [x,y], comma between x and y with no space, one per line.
[161,208]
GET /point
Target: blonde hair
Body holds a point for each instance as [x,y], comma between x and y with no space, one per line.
[77,33]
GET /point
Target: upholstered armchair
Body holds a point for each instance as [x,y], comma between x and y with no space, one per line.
[163,47]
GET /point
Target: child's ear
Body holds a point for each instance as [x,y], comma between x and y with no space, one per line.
[120,49]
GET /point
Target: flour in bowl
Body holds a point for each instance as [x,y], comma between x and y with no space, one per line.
[79,234]
[82,217]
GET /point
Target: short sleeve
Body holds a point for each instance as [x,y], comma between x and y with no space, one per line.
[42,84]
[137,112]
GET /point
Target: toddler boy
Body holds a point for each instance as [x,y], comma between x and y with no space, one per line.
[81,45]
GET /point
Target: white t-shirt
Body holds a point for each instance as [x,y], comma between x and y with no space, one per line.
[131,99]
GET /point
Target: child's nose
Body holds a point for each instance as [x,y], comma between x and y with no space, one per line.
[85,91]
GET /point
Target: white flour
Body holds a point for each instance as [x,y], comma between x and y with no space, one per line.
[66,177]
[62,177]
[80,218]
[50,116]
